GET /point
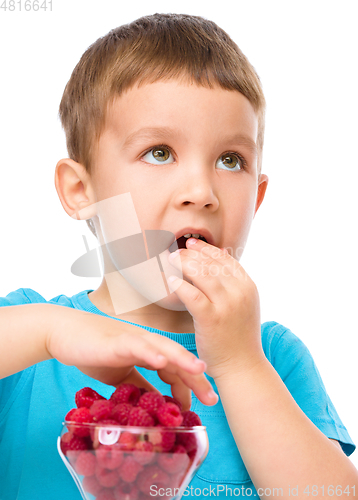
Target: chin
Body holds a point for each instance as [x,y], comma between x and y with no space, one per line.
[148,281]
[172,303]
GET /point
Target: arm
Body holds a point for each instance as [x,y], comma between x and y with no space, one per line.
[23,336]
[279,445]
[101,347]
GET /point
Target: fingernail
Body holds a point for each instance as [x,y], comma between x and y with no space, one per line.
[200,362]
[178,250]
[212,394]
[191,241]
[174,254]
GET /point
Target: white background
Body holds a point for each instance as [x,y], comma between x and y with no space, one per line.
[302,251]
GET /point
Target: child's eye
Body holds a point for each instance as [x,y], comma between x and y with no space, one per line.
[232,160]
[159,153]
[163,155]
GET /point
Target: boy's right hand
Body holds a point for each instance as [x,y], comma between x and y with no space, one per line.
[108,350]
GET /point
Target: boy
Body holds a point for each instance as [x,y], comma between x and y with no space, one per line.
[165,117]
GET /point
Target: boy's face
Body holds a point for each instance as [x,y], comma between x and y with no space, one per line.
[176,149]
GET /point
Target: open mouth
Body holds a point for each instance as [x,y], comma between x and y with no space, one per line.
[181,243]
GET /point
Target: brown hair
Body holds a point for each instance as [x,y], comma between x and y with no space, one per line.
[152,48]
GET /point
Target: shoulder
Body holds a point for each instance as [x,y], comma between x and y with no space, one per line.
[276,337]
[29,296]
[22,296]
[289,355]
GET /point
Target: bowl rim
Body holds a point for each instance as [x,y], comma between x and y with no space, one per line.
[195,428]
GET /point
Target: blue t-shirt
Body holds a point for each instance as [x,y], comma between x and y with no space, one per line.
[33,404]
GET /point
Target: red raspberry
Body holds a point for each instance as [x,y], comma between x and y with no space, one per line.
[143,452]
[168,440]
[81,416]
[101,409]
[188,440]
[190,419]
[70,441]
[151,401]
[127,441]
[169,415]
[130,469]
[109,457]
[107,478]
[126,491]
[169,399]
[91,485]
[72,456]
[108,421]
[121,413]
[140,417]
[142,390]
[86,396]
[85,463]
[176,479]
[162,440]
[142,496]
[106,494]
[174,462]
[126,393]
[152,475]
[69,415]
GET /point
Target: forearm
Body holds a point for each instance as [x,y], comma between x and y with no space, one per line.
[23,330]
[280,446]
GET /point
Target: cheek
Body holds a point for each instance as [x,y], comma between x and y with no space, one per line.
[239,219]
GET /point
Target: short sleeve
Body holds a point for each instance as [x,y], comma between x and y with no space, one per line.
[22,296]
[294,363]
[10,386]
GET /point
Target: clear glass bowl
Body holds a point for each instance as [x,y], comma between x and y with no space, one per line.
[116,462]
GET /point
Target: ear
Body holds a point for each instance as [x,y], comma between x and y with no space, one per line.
[74,188]
[261,190]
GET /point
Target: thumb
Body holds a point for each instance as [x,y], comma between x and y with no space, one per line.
[180,391]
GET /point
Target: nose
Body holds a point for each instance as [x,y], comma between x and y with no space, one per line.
[197,187]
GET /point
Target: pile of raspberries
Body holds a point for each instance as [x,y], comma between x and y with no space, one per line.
[127,469]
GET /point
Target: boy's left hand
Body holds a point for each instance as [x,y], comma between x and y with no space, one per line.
[225,307]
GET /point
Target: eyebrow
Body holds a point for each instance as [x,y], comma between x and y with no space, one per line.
[244,141]
[160,133]
[149,133]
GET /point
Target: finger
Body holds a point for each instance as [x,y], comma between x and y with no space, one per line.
[136,349]
[199,384]
[203,270]
[207,249]
[137,344]
[222,255]
[195,300]
[180,391]
[201,387]
[175,353]
[146,353]
[215,278]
